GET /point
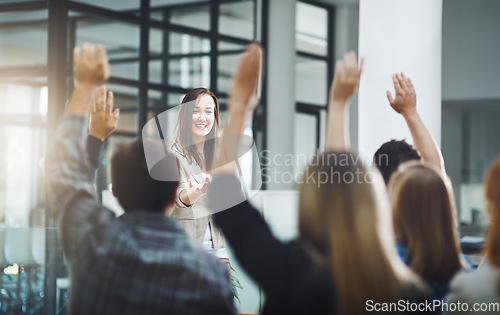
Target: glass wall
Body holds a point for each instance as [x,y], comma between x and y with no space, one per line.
[158,50]
[470,144]
[23,110]
[313,74]
[23,125]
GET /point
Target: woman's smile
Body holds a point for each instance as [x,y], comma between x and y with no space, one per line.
[203,117]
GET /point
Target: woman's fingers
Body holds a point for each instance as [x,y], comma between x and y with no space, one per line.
[390,98]
[109,102]
[361,64]
[404,81]
[395,81]
[350,63]
[103,101]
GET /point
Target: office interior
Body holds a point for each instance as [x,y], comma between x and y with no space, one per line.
[160,49]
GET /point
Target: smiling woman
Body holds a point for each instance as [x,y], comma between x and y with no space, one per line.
[194,147]
[203,119]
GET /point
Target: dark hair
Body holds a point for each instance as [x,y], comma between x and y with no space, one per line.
[184,140]
[132,184]
[391,154]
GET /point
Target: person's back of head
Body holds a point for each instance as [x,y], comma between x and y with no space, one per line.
[342,217]
[392,154]
[424,220]
[132,183]
[492,184]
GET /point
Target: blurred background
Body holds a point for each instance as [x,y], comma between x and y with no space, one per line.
[159,50]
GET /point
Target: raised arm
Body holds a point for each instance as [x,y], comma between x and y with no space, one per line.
[405,103]
[242,102]
[103,121]
[103,118]
[344,85]
[256,248]
[70,189]
[90,69]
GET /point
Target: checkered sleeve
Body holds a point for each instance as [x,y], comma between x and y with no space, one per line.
[93,153]
[70,190]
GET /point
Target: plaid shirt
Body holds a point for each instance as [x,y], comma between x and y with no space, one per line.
[140,263]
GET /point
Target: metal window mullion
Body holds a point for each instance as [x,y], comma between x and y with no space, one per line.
[102,12]
[180,6]
[23,6]
[165,59]
[143,66]
[259,119]
[214,29]
[57,58]
[313,56]
[331,44]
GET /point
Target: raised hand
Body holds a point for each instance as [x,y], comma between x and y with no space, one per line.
[346,80]
[103,119]
[194,191]
[405,102]
[90,69]
[242,101]
[344,85]
[90,65]
[243,95]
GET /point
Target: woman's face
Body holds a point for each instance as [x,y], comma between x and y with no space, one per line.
[203,116]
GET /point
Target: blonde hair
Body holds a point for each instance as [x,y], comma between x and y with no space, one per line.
[424,220]
[346,222]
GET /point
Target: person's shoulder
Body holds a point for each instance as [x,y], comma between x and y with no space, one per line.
[213,268]
[475,287]
[308,259]
[415,291]
[485,277]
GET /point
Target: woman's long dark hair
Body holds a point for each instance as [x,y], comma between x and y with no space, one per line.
[184,140]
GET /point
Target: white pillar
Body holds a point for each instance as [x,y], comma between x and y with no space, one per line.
[346,39]
[280,93]
[397,36]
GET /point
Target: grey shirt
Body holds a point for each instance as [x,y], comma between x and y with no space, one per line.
[479,287]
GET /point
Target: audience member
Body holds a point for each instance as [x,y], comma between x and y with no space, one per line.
[423,217]
[194,147]
[391,154]
[342,261]
[142,262]
[422,201]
